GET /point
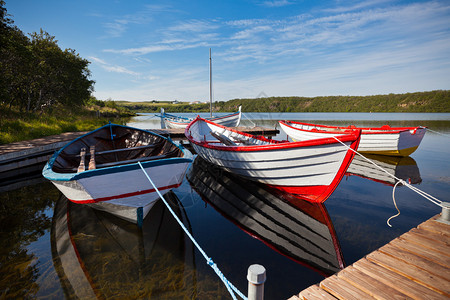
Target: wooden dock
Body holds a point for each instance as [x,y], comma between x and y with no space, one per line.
[415,265]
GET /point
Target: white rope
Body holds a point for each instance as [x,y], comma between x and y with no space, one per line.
[254,125]
[428,129]
[395,203]
[420,192]
[230,287]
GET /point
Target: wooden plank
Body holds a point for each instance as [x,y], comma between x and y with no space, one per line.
[397,281]
[314,292]
[341,289]
[431,236]
[437,227]
[412,272]
[425,242]
[427,253]
[370,285]
[416,260]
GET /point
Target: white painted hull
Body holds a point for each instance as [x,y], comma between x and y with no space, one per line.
[393,141]
[300,167]
[123,192]
[299,230]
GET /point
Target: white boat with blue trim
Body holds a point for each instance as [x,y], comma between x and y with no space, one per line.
[310,169]
[101,168]
[384,140]
[174,121]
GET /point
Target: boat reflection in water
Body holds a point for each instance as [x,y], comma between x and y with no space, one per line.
[401,167]
[298,229]
[98,255]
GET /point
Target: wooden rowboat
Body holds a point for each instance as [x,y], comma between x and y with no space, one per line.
[385,140]
[114,180]
[174,121]
[297,229]
[312,169]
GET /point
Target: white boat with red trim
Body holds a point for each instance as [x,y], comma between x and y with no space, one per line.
[384,140]
[111,179]
[311,169]
[297,229]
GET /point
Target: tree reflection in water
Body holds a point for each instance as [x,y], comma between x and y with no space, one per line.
[22,222]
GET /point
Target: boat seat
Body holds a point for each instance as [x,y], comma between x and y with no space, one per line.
[223,139]
[242,140]
[120,150]
[125,149]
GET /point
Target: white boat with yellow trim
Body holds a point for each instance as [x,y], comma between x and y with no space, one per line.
[384,140]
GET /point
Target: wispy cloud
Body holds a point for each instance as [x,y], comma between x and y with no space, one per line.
[112,68]
[277,3]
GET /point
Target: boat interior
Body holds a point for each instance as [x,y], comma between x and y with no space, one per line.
[111,146]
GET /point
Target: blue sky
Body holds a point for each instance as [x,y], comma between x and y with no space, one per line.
[145,50]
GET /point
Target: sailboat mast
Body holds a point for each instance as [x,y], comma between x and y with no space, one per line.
[210,84]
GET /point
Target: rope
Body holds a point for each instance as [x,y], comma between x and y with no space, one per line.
[254,125]
[230,287]
[428,129]
[395,203]
[427,196]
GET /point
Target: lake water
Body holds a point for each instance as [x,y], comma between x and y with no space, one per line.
[237,223]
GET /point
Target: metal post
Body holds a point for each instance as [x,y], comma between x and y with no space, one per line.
[256,277]
[445,215]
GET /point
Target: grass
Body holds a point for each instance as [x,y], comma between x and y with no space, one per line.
[19,126]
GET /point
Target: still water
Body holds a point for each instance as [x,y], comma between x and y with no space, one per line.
[53,249]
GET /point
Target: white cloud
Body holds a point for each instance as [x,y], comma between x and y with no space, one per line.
[112,68]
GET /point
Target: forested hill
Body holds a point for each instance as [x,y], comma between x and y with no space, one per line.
[434,101]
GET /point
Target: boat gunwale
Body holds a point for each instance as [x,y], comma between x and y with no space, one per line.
[49,174]
[275,144]
[364,130]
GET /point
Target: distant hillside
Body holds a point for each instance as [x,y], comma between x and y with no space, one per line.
[434,101]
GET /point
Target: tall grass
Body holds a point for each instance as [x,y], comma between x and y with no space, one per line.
[18,126]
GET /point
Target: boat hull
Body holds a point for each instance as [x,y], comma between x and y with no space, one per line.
[309,169]
[117,183]
[124,190]
[400,141]
[300,230]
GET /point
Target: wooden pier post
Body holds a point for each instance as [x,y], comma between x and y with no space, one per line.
[445,216]
[256,277]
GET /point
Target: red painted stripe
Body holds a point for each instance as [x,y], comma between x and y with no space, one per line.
[125,195]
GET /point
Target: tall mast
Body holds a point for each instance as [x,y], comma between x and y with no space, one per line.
[210,84]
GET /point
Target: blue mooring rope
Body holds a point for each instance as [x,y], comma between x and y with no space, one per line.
[230,287]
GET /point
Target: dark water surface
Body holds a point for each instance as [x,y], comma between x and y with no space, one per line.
[54,249]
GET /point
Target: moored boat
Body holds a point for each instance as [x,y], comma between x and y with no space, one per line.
[311,169]
[297,229]
[101,168]
[174,121]
[384,140]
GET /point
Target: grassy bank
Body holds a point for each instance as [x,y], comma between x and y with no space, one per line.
[19,126]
